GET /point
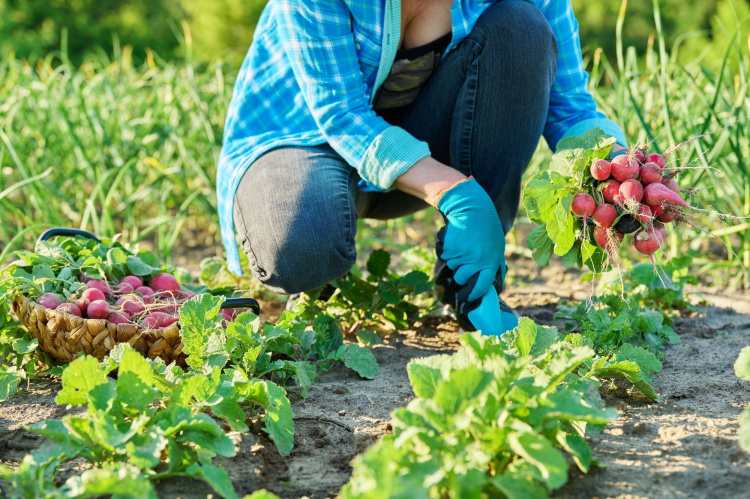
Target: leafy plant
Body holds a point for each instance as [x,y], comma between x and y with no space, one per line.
[152,422]
[18,351]
[246,349]
[382,299]
[662,288]
[493,419]
[609,322]
[132,431]
[55,267]
[548,196]
[627,362]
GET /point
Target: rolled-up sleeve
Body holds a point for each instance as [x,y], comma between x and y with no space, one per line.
[572,109]
[318,41]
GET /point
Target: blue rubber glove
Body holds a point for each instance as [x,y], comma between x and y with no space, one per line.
[489,319]
[474,241]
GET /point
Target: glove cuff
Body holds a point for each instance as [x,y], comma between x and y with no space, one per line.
[450,188]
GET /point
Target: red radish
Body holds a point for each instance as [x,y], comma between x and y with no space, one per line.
[166,303]
[118,318]
[610,190]
[604,215]
[651,174]
[93,294]
[631,191]
[183,295]
[661,230]
[100,285]
[608,239]
[149,322]
[133,280]
[229,314]
[83,304]
[600,169]
[164,282]
[644,214]
[49,300]
[665,215]
[131,304]
[625,167]
[639,155]
[98,309]
[145,292]
[647,241]
[668,215]
[583,205]
[70,308]
[84,278]
[656,158]
[660,195]
[672,186]
[124,288]
[156,320]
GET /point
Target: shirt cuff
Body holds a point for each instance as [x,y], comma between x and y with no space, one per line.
[607,126]
[391,153]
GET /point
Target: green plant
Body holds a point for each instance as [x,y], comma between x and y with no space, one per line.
[111,147]
[493,419]
[151,423]
[382,299]
[130,428]
[548,197]
[18,352]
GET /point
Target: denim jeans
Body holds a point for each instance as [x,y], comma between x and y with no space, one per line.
[482,112]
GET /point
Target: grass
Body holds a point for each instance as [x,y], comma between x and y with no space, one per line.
[115,147]
[664,103]
[109,147]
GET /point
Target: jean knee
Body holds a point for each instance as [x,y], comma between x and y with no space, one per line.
[303,265]
[519,28]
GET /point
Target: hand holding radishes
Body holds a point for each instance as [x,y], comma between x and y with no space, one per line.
[585,203]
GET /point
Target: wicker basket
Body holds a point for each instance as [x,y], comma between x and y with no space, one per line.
[65,336]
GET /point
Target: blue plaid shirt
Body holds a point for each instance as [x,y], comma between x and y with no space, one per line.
[311,74]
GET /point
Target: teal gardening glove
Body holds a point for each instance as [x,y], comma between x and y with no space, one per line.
[473,246]
[473,240]
[487,316]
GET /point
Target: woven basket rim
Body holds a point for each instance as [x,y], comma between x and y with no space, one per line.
[157,332]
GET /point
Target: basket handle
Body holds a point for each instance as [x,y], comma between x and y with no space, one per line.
[242,302]
[61,231]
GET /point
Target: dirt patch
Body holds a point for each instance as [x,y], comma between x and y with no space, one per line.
[685,445]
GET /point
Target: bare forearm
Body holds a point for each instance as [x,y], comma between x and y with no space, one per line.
[427,178]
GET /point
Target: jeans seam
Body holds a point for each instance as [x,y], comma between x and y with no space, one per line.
[247,246]
[468,111]
[350,237]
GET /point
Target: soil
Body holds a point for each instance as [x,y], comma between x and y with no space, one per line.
[683,446]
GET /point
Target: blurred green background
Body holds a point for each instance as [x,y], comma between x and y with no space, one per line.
[223,28]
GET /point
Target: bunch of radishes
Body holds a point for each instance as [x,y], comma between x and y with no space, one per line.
[152,306]
[634,193]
